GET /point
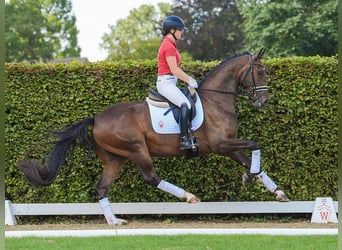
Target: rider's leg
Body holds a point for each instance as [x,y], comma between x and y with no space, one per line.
[166,86]
[184,122]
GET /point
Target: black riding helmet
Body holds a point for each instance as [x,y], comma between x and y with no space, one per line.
[173,22]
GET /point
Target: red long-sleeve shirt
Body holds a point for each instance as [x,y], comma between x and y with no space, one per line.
[167,48]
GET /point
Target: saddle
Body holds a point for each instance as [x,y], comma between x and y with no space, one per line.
[156,99]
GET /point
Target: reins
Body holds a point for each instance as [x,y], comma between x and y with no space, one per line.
[219,91]
[255,88]
[243,94]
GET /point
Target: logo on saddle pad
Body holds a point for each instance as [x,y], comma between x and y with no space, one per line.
[163,119]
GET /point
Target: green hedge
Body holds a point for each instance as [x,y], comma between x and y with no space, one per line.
[297,132]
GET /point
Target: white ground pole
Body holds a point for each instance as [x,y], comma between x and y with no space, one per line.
[174,231]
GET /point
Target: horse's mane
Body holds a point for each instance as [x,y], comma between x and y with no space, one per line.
[223,62]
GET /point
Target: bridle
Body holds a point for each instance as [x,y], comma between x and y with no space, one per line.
[252,93]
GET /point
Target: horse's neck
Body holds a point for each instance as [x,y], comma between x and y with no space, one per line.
[219,104]
[225,84]
[219,100]
[225,80]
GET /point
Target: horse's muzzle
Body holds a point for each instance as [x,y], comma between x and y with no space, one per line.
[260,100]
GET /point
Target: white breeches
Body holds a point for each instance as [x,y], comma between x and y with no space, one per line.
[167,87]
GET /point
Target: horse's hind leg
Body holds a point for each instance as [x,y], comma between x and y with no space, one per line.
[145,164]
[112,164]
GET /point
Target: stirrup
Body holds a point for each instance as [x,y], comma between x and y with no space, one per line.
[187,142]
[184,145]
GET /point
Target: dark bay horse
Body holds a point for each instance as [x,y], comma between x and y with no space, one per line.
[124,131]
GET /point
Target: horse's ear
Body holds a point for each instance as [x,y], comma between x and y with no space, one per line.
[261,53]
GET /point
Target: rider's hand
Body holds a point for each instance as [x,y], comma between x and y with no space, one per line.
[192,83]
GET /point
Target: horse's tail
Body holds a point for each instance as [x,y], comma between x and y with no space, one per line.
[75,133]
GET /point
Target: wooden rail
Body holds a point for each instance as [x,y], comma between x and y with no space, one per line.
[296,207]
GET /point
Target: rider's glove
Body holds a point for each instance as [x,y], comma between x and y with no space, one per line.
[192,83]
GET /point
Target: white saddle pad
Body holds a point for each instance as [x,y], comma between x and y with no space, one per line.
[166,124]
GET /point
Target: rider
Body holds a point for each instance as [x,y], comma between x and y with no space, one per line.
[169,71]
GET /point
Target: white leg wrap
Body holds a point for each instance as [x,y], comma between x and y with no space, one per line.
[255,165]
[108,212]
[172,189]
[269,184]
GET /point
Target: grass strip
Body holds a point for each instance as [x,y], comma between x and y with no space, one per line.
[188,242]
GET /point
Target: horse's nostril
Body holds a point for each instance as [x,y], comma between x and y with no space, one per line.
[266,102]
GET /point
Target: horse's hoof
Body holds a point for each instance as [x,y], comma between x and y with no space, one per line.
[193,199]
[247,178]
[121,222]
[190,198]
[281,196]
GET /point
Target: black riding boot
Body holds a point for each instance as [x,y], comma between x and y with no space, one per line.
[184,122]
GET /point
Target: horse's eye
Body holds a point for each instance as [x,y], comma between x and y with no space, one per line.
[261,74]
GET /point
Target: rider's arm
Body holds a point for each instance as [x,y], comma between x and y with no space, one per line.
[177,71]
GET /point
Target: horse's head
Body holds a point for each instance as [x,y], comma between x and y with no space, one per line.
[253,79]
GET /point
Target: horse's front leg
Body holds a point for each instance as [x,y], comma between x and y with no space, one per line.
[236,152]
[253,169]
[235,148]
